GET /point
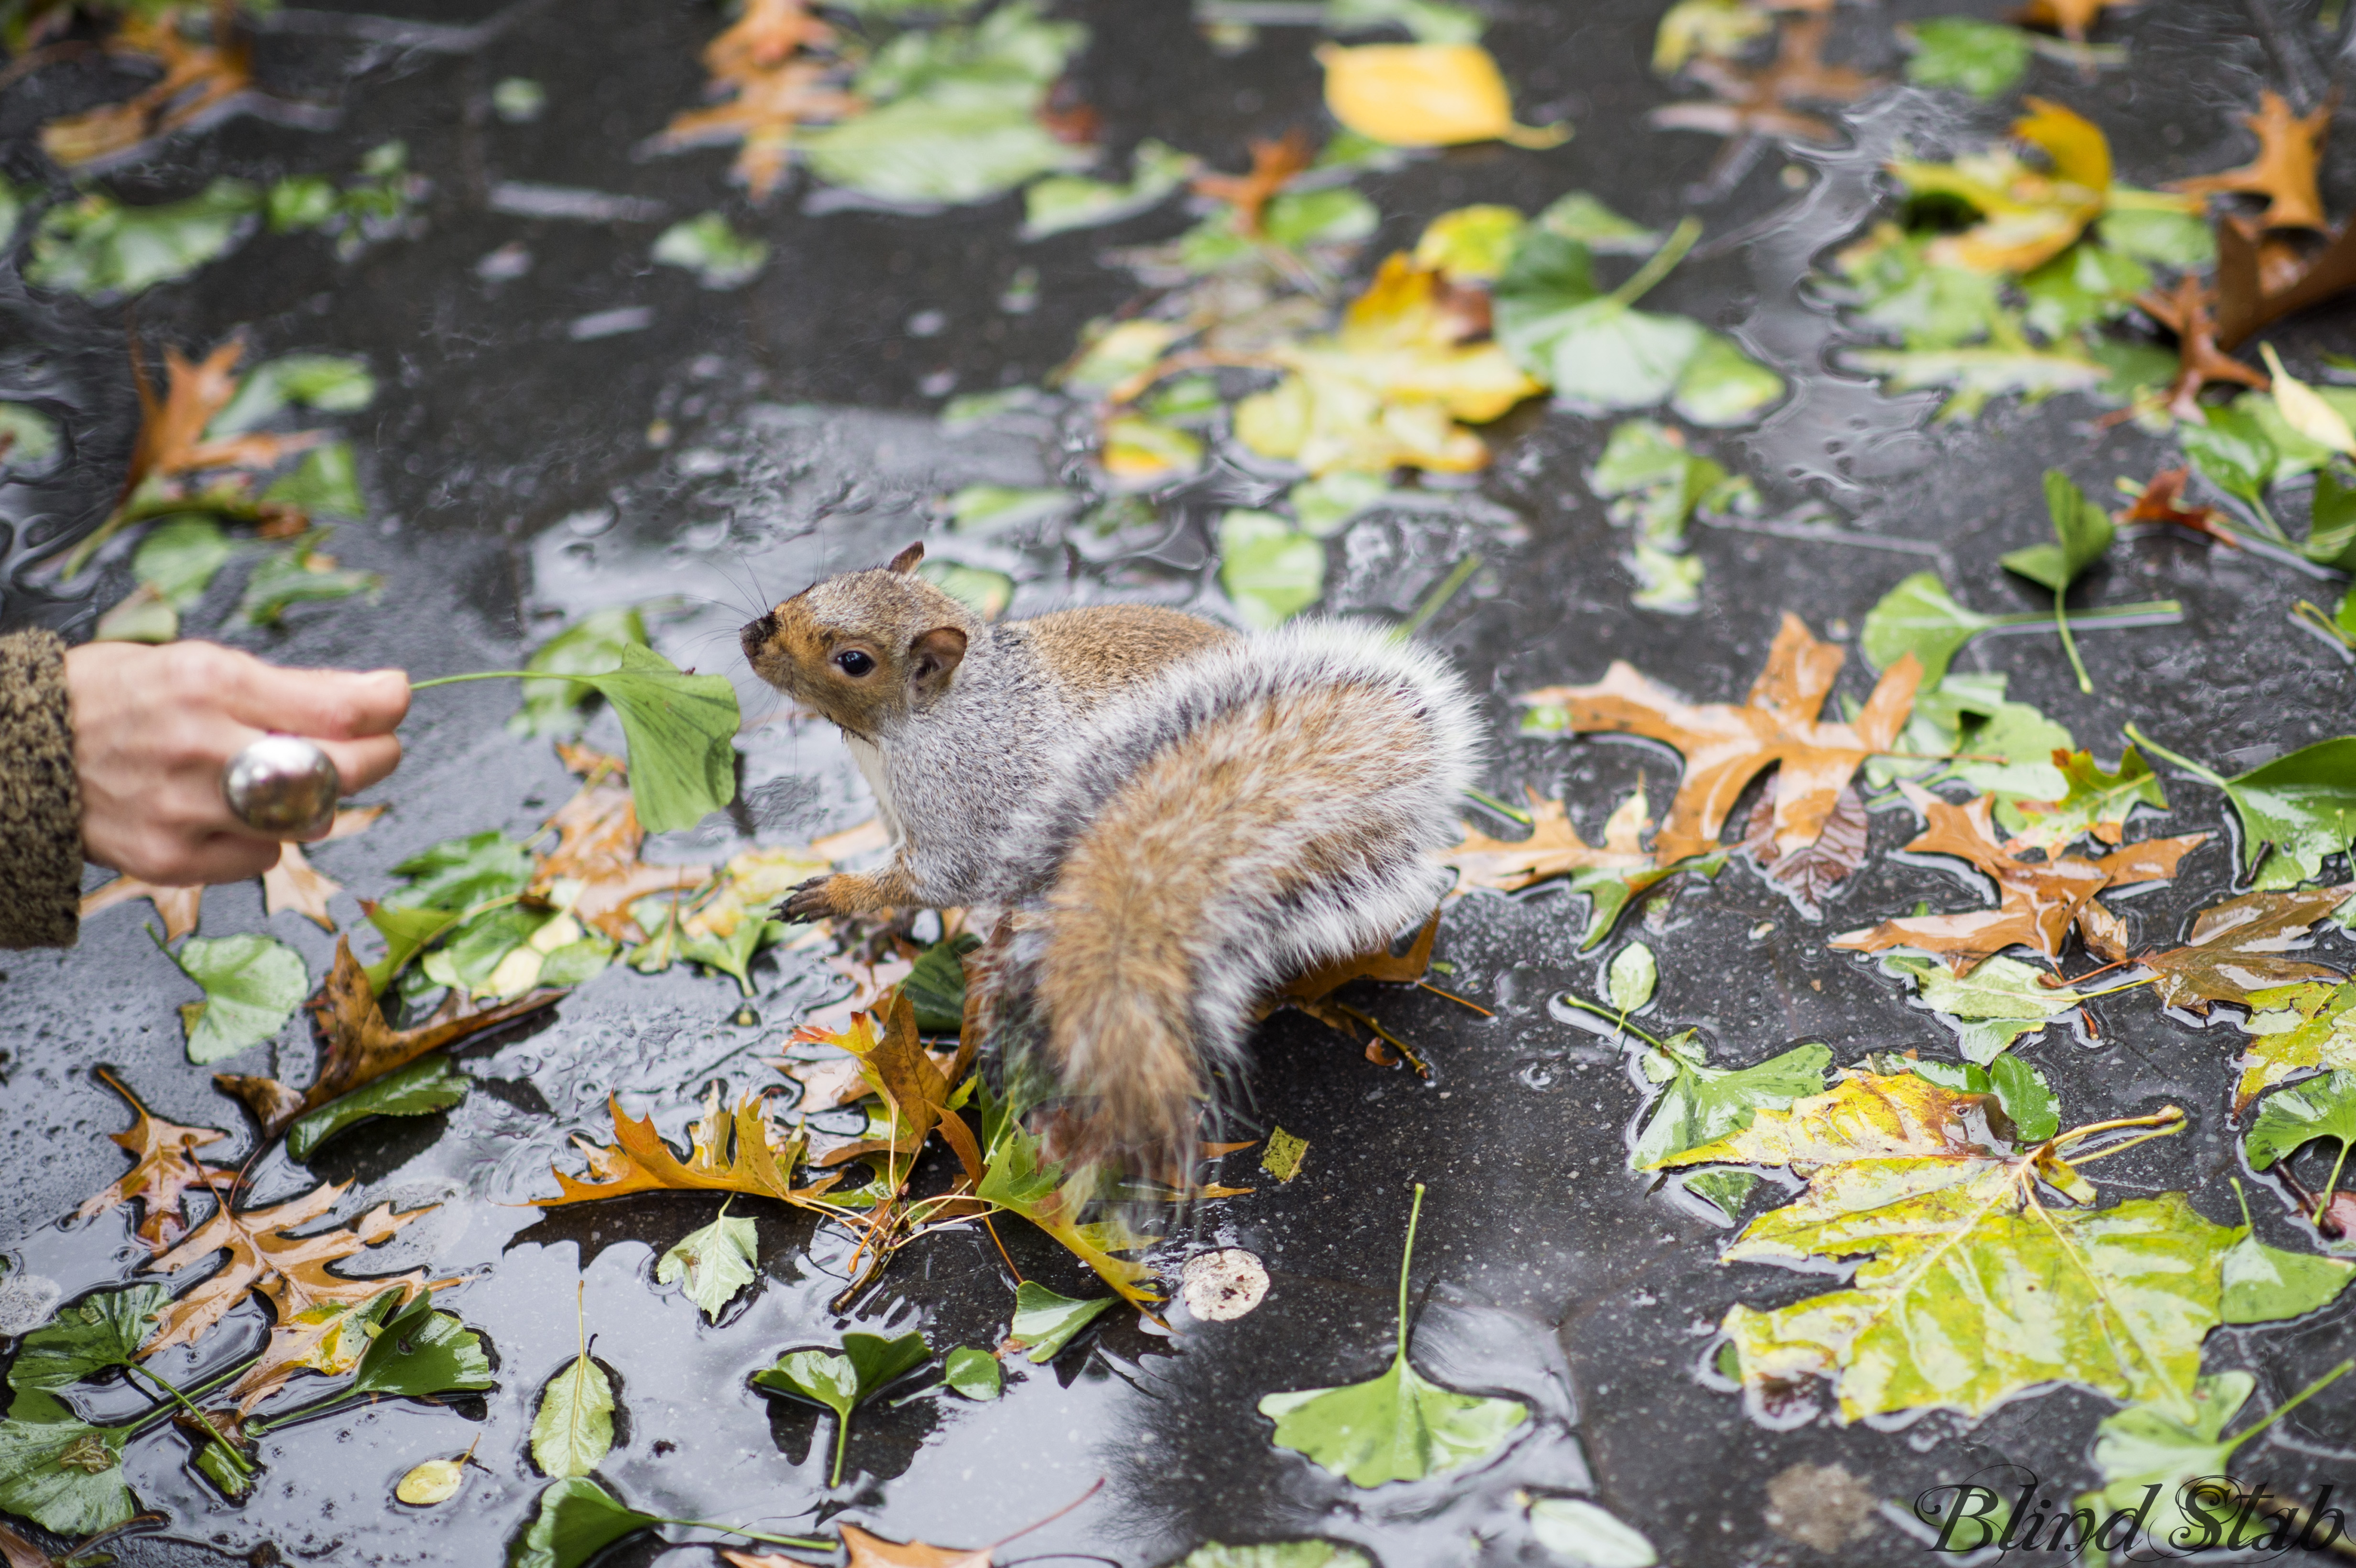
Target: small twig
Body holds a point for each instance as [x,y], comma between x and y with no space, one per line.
[1457,999]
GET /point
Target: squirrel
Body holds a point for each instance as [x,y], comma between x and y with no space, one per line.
[1175,817]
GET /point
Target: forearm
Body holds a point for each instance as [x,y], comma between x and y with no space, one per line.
[40,798]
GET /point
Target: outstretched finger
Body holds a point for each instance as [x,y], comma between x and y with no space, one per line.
[328,705]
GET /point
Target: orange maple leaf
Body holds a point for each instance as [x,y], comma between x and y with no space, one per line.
[2074,19]
[730,1152]
[2038,900]
[163,1169]
[1273,165]
[1725,746]
[2284,170]
[1554,848]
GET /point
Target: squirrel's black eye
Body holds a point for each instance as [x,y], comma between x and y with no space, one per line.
[851,662]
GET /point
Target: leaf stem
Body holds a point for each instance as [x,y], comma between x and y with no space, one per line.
[1436,600]
[490,675]
[841,1443]
[141,1423]
[1620,1020]
[2301,1397]
[1658,266]
[235,1458]
[1484,797]
[2104,613]
[1407,1258]
[2187,763]
[807,1542]
[2330,1183]
[2070,644]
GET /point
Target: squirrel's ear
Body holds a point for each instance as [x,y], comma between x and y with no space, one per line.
[907,559]
[933,657]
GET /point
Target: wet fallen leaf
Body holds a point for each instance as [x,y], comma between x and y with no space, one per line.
[163,1171]
[715,1262]
[199,80]
[574,1520]
[2302,805]
[102,249]
[430,1084]
[1983,58]
[356,1046]
[2029,215]
[1725,746]
[2287,1121]
[1719,29]
[60,1471]
[1426,95]
[1061,202]
[1702,1103]
[2098,801]
[432,1481]
[2295,1031]
[2156,1465]
[1270,570]
[2038,900]
[972,1372]
[2237,947]
[1019,1177]
[1765,101]
[1398,1426]
[868,1364]
[2001,1001]
[251,987]
[710,247]
[1554,848]
[573,1427]
[1274,164]
[294,885]
[1275,1554]
[1809,876]
[1985,1250]
[1045,1322]
[2074,19]
[2187,310]
[1283,1156]
[594,871]
[2258,283]
[775,66]
[2282,172]
[873,1551]
[1584,1535]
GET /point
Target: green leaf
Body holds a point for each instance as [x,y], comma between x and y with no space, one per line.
[1920,617]
[1045,1322]
[421,1354]
[1336,215]
[1726,1191]
[2332,526]
[716,1262]
[1064,202]
[1581,218]
[2233,452]
[577,1520]
[2096,800]
[180,557]
[2084,286]
[707,246]
[1979,374]
[681,730]
[2289,1121]
[2304,804]
[1703,1103]
[252,985]
[61,1473]
[2165,234]
[428,1084]
[992,509]
[1996,1004]
[1631,977]
[928,152]
[105,1329]
[2029,1100]
[573,1427]
[475,951]
[578,962]
[2270,1284]
[407,932]
[2083,530]
[1721,385]
[1970,714]
[1275,1554]
[1283,1156]
[1269,570]
[1612,354]
[1584,1535]
[459,873]
[2150,1458]
[330,383]
[299,202]
[100,249]
[590,646]
[842,1384]
[936,984]
[973,1374]
[297,575]
[1396,1428]
[1983,58]
[730,954]
[29,438]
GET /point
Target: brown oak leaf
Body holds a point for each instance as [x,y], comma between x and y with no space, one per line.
[1554,848]
[1273,165]
[1762,102]
[1725,747]
[2074,19]
[2260,283]
[764,65]
[163,1167]
[2235,947]
[1810,876]
[2162,501]
[199,78]
[596,853]
[180,907]
[2186,310]
[2284,170]
[289,1272]
[2038,900]
[739,1151]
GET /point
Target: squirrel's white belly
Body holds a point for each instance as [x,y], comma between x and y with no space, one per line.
[870,758]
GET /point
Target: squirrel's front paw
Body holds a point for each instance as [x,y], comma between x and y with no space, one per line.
[809,902]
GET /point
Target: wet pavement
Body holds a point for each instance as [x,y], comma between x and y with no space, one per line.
[514,482]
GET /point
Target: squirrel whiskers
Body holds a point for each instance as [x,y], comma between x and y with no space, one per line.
[1176,819]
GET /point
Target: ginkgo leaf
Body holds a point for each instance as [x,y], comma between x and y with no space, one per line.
[1275,1554]
[1999,1003]
[418,1353]
[972,1372]
[716,1262]
[1582,1534]
[2098,801]
[2303,804]
[2157,1464]
[251,985]
[1631,978]
[1399,1426]
[1726,746]
[2289,1121]
[1921,617]
[2289,146]
[576,1520]
[1045,1322]
[164,1169]
[2039,900]
[2082,530]
[2238,947]
[106,1328]
[1703,1103]
[868,1364]
[573,1427]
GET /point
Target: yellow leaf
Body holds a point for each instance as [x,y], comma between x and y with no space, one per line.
[2305,412]
[1426,95]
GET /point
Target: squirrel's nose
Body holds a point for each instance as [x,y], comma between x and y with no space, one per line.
[756,633]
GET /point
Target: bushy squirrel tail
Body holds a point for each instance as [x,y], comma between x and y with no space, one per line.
[1256,811]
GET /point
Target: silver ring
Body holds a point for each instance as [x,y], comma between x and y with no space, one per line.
[282,785]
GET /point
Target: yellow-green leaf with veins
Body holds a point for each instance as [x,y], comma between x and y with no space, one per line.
[2295,1031]
[1984,1277]
[1399,1426]
[2097,802]
[573,1427]
[716,1262]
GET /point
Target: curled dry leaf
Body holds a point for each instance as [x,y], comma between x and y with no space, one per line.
[163,1169]
[2038,900]
[1725,746]
[2282,172]
[356,1046]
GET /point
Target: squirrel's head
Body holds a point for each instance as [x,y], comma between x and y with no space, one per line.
[863,647]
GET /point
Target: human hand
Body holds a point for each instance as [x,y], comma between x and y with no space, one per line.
[153,727]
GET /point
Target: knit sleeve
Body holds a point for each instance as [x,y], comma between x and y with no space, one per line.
[41,799]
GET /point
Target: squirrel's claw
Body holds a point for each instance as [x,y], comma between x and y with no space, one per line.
[807,901]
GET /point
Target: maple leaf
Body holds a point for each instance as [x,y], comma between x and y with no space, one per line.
[773,86]
[180,907]
[1762,102]
[595,872]
[198,80]
[2038,900]
[1274,163]
[730,1152]
[2296,1030]
[2074,19]
[2284,170]
[1809,876]
[1977,1287]
[163,1169]
[356,1045]
[1554,848]
[896,1065]
[2096,802]
[294,884]
[288,1272]
[2235,948]
[2186,311]
[1725,746]
[2162,501]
